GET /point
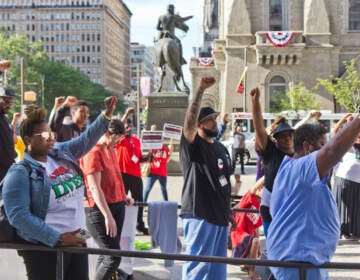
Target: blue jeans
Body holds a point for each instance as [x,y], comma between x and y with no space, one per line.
[151,179]
[95,223]
[202,238]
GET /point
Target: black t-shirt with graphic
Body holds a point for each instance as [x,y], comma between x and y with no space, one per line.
[207,188]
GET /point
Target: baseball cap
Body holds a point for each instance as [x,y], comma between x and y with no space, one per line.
[206,112]
[5,92]
[282,127]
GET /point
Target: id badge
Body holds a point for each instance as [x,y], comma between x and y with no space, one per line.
[223,181]
[135,159]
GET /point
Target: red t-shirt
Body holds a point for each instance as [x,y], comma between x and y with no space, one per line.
[129,155]
[246,223]
[111,181]
[158,165]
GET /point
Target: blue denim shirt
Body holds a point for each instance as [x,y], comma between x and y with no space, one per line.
[26,197]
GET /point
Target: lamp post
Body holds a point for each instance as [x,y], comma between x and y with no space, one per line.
[22,85]
[42,77]
[138,69]
[134,96]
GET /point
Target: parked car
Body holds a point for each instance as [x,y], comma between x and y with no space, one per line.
[250,153]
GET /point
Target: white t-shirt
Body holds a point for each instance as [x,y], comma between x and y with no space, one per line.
[66,207]
[349,167]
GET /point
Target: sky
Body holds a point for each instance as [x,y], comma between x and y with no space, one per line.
[144,21]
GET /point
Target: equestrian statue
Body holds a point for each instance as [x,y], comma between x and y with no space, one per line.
[168,48]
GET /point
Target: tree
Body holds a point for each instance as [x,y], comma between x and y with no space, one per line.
[346,89]
[63,80]
[59,79]
[298,98]
[14,47]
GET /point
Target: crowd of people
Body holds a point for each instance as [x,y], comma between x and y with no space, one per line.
[68,178]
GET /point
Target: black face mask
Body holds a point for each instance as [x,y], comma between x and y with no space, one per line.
[210,133]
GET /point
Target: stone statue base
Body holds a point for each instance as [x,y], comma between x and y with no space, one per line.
[168,107]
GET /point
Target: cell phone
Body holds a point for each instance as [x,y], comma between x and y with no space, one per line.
[85,234]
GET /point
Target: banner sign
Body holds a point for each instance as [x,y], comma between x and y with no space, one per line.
[151,140]
[280,38]
[145,85]
[241,115]
[205,61]
[172,131]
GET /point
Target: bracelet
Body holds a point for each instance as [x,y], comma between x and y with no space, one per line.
[106,117]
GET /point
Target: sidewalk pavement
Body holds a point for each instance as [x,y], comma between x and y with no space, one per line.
[12,267]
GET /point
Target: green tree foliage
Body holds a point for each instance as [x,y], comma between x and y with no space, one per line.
[59,78]
[63,80]
[298,98]
[14,47]
[346,90]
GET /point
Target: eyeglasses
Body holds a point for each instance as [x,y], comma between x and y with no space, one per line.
[45,135]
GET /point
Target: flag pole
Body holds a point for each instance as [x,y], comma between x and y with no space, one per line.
[244,95]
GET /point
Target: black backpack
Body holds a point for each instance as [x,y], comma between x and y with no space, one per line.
[7,231]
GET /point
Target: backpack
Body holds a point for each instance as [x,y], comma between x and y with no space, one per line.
[7,231]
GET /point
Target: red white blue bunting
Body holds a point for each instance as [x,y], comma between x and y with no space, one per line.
[205,61]
[280,38]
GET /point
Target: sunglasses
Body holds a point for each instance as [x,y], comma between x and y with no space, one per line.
[45,135]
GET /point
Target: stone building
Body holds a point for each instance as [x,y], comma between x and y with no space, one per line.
[141,56]
[92,36]
[210,26]
[279,41]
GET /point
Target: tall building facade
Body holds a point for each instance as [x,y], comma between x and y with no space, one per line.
[92,36]
[143,56]
[210,26]
[278,42]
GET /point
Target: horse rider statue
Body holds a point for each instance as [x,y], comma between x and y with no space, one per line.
[167,23]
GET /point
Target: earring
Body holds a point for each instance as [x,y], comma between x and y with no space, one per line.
[29,148]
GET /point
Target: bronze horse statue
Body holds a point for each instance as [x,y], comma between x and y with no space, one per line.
[167,51]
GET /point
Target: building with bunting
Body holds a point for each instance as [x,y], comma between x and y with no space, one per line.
[279,41]
[92,36]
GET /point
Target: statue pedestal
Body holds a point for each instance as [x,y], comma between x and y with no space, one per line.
[168,107]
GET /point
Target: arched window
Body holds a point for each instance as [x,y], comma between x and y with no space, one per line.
[354,15]
[277,89]
[275,15]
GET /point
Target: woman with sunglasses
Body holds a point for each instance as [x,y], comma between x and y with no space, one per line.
[43,193]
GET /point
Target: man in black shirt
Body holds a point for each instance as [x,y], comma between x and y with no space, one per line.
[79,116]
[205,206]
[7,150]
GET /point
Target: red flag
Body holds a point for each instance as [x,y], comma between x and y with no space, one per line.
[241,85]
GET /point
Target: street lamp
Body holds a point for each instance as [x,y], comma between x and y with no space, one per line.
[135,96]
[138,69]
[42,77]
